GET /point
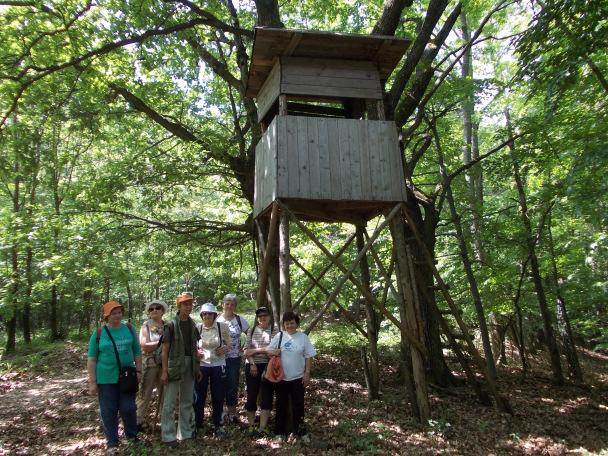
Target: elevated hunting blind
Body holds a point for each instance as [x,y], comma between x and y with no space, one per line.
[327,154]
[326,149]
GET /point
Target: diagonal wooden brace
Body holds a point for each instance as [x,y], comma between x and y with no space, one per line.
[347,272]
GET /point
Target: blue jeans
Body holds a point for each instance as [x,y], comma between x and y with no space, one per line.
[216,376]
[233,370]
[112,402]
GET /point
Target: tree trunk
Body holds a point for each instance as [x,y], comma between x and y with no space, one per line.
[438,370]
[407,305]
[549,334]
[54,312]
[466,263]
[11,324]
[473,175]
[372,373]
[563,321]
[106,289]
[129,301]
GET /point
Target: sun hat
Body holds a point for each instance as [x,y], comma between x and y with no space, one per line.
[208,308]
[108,307]
[155,302]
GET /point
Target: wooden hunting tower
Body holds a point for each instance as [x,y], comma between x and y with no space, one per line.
[327,154]
[326,150]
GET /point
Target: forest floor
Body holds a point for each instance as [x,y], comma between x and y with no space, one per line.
[45,410]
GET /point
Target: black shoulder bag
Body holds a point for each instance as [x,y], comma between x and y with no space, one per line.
[127,376]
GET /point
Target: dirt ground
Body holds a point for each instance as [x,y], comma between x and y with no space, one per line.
[50,413]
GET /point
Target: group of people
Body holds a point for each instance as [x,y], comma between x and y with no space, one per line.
[183,360]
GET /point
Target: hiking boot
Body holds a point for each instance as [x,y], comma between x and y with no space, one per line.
[264,433]
[171,444]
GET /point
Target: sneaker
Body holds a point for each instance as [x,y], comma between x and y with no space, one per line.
[219,432]
[279,438]
[171,444]
[112,450]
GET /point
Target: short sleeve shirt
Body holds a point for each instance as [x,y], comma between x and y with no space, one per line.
[295,349]
[235,334]
[127,346]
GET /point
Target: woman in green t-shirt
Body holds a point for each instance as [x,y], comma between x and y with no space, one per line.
[103,373]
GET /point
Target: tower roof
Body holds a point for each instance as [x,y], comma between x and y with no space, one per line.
[272,43]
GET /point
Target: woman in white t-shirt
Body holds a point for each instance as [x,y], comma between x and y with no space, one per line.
[212,348]
[296,353]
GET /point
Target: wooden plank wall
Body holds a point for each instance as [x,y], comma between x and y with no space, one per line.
[336,159]
[329,78]
[265,186]
[270,90]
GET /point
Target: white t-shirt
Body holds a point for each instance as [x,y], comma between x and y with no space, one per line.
[295,350]
[235,334]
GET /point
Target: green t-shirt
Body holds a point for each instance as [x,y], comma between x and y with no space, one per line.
[128,348]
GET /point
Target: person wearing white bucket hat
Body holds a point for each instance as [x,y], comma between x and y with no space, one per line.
[149,338]
[212,348]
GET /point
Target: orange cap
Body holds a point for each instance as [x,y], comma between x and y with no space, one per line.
[183,298]
[108,307]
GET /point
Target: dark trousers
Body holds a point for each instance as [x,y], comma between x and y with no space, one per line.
[216,376]
[111,403]
[293,389]
[233,371]
[255,385]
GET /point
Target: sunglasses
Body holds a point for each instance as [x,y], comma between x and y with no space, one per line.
[156,308]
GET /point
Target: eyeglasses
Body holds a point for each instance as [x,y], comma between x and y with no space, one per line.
[155,308]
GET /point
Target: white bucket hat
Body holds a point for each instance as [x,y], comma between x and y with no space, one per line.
[157,302]
[208,307]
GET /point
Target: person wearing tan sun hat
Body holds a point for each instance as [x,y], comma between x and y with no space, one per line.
[150,336]
[180,368]
[114,340]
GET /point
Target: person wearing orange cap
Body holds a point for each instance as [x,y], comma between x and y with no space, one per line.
[180,368]
[107,346]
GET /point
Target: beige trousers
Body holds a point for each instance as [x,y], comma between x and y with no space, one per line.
[150,380]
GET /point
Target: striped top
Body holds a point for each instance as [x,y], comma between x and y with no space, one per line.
[260,338]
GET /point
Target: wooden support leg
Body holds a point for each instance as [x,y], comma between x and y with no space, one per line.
[263,278]
[284,281]
[372,373]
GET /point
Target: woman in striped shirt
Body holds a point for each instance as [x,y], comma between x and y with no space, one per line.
[258,338]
